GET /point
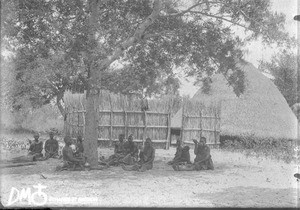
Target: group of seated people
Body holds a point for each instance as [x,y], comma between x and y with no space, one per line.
[202,161]
[51,147]
[36,147]
[72,159]
[128,155]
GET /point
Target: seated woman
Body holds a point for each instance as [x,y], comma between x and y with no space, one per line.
[51,147]
[79,147]
[36,147]
[119,153]
[69,161]
[202,161]
[182,155]
[146,156]
[131,152]
[34,151]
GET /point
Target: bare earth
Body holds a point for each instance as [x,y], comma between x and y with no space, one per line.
[237,181]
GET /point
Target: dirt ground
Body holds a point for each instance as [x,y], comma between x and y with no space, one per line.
[237,181]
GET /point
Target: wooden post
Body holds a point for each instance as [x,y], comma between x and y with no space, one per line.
[124,116]
[71,123]
[125,124]
[83,119]
[169,132]
[145,127]
[78,123]
[182,122]
[111,127]
[110,130]
[169,124]
[201,128]
[65,121]
[219,119]
[215,125]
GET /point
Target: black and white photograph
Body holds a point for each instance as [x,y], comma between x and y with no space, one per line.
[150,104]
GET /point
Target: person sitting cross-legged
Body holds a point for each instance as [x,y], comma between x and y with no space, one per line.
[182,155]
[119,153]
[79,147]
[131,152]
[36,147]
[146,156]
[202,161]
[51,147]
[69,161]
[34,151]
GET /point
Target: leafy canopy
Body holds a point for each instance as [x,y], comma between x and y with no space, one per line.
[284,68]
[54,51]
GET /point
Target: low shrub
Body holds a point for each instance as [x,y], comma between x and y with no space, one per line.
[283,149]
[33,120]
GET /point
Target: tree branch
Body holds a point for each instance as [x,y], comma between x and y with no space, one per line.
[138,35]
[245,16]
[158,34]
[218,17]
[192,7]
[59,98]
[185,11]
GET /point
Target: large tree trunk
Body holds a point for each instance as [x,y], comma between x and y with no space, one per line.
[90,142]
[95,67]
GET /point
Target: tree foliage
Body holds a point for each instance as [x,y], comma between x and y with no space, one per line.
[284,67]
[53,50]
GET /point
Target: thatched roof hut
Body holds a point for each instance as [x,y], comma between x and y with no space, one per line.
[261,110]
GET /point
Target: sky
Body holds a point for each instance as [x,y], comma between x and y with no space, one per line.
[256,51]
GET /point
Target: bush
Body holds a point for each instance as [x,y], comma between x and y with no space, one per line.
[282,149]
[41,120]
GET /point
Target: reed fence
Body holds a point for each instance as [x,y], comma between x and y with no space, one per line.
[200,120]
[119,114]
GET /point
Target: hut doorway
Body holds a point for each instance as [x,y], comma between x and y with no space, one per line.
[175,135]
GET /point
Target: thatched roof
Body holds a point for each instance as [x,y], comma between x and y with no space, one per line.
[261,110]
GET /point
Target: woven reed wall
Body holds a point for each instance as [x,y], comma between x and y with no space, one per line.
[201,120]
[119,114]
